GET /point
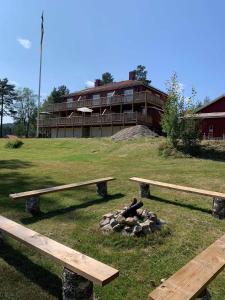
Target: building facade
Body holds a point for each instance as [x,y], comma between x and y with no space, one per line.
[212,119]
[104,110]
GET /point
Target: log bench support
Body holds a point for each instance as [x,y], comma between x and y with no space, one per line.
[33,197]
[218,209]
[204,295]
[33,205]
[101,189]
[144,190]
[80,271]
[76,287]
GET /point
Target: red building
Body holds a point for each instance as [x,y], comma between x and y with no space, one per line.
[212,118]
[104,109]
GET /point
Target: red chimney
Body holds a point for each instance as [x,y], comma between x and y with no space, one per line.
[132,75]
[98,82]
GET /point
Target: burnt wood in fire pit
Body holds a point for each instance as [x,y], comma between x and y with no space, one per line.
[132,209]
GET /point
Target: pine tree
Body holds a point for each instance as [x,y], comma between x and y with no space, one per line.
[141,74]
[107,78]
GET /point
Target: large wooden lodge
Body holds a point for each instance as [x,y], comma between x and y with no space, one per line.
[104,110]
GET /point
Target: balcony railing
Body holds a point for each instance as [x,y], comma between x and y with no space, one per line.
[94,120]
[140,97]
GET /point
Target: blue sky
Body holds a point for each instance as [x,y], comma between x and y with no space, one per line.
[84,38]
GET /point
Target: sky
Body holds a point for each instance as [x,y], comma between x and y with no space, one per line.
[85,38]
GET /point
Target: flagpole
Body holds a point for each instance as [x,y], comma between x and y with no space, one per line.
[39,85]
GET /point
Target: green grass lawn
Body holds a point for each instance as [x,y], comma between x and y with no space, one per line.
[72,216]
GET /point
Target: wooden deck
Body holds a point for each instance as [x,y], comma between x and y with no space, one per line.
[97,120]
[140,97]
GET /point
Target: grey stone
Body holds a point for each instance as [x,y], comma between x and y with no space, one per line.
[128,229]
[137,229]
[76,287]
[218,210]
[104,222]
[33,205]
[101,189]
[120,219]
[205,295]
[113,222]
[152,217]
[117,227]
[107,228]
[145,213]
[139,211]
[144,190]
[1,237]
[131,221]
[109,215]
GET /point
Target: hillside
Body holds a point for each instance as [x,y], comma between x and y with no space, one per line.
[73,216]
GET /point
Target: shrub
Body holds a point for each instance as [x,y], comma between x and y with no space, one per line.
[13,144]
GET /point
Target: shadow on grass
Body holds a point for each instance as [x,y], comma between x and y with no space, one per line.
[212,150]
[61,211]
[14,164]
[189,206]
[35,273]
[13,181]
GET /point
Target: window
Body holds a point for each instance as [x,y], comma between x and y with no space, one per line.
[69,103]
[96,99]
[109,97]
[211,128]
[128,95]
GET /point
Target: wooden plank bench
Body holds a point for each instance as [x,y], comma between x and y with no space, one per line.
[33,197]
[80,271]
[192,280]
[218,210]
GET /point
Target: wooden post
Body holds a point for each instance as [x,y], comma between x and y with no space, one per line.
[144,190]
[76,287]
[218,210]
[33,205]
[101,189]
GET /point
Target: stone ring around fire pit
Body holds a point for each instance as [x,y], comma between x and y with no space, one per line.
[132,220]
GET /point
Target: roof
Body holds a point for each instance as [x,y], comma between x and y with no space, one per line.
[114,86]
[213,115]
[211,102]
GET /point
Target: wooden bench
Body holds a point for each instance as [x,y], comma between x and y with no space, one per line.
[191,280]
[33,197]
[218,210]
[80,271]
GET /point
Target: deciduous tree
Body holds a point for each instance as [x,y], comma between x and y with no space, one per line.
[25,112]
[7,95]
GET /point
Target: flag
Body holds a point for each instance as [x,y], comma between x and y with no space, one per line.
[42,28]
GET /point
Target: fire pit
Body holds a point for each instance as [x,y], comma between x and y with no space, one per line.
[132,220]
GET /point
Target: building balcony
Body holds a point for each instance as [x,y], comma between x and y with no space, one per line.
[141,97]
[97,120]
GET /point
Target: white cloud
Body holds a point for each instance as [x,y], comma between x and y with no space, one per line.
[89,84]
[25,43]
